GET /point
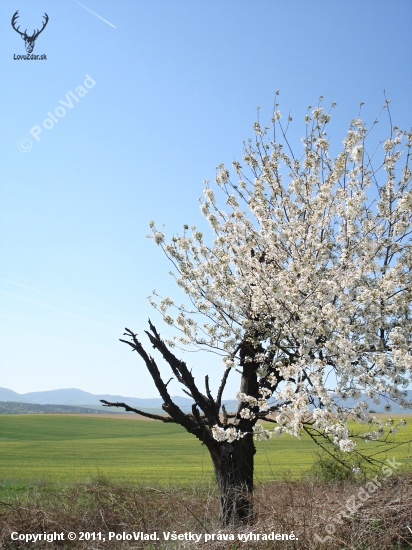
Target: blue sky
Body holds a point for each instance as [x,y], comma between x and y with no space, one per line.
[176,88]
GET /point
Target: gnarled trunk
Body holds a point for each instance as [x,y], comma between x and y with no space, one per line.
[233,466]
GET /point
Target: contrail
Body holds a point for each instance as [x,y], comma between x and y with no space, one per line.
[18,318]
[56,309]
[64,301]
[94,13]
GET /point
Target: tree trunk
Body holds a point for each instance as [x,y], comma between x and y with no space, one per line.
[234,475]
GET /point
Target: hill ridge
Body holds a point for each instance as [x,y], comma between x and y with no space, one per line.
[79,398]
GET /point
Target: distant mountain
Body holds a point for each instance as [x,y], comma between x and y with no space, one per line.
[381,407]
[79,398]
[9,395]
[12,407]
[75,397]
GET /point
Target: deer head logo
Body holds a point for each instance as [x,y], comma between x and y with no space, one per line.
[28,40]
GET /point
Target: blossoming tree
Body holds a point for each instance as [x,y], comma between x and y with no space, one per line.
[305,291]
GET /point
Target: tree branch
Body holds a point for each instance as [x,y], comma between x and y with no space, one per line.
[209,395]
[169,406]
[181,371]
[221,388]
[194,425]
[137,411]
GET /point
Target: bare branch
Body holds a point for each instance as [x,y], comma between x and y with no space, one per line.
[221,388]
[225,417]
[181,371]
[209,395]
[169,406]
[137,411]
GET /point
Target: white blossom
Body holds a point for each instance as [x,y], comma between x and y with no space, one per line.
[209,194]
[229,434]
[223,176]
[247,413]
[317,112]
[357,153]
[158,237]
[371,436]
[389,144]
[259,433]
[346,445]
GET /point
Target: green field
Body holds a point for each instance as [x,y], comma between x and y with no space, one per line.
[64,448]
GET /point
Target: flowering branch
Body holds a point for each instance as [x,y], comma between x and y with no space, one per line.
[306,287]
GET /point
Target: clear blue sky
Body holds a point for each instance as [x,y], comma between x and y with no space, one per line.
[176,88]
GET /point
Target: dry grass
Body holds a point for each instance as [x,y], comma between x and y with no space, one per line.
[305,507]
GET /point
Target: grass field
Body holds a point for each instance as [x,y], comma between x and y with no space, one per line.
[69,448]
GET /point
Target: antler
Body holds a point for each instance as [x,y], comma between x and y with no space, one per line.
[46,17]
[24,34]
[13,21]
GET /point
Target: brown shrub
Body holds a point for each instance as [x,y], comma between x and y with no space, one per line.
[307,508]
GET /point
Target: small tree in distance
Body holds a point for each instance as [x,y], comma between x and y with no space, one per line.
[305,291]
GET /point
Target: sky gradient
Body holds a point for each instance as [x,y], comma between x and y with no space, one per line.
[172,91]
